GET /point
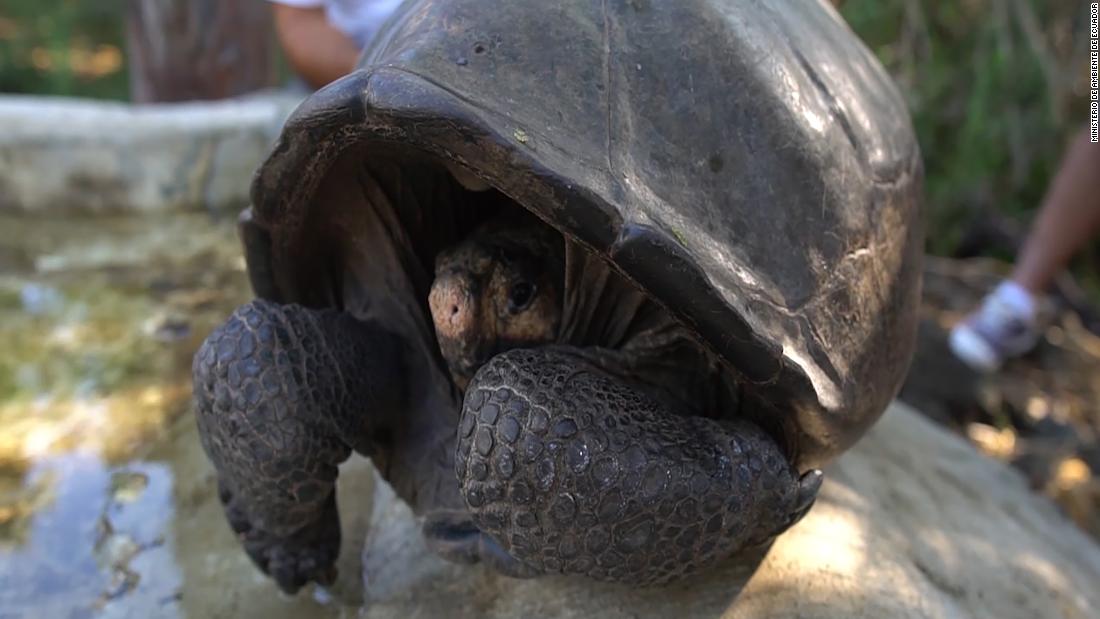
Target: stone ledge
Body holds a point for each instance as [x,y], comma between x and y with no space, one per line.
[71,155]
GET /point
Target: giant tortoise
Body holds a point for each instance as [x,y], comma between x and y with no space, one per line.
[597,284]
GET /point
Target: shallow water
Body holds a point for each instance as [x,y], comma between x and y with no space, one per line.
[107,503]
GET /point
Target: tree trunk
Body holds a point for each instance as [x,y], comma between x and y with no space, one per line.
[181,50]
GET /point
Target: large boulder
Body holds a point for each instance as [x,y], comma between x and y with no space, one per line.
[912,522]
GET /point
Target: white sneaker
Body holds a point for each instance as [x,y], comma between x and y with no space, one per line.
[1006,325]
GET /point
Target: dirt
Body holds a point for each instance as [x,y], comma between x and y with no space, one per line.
[1040,413]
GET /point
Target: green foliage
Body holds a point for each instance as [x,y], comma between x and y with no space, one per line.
[63,47]
[990,85]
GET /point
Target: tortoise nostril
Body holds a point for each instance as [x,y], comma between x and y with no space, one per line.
[452,306]
[459,316]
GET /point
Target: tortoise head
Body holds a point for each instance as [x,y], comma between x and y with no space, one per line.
[499,289]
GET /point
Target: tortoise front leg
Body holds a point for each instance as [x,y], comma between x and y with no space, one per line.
[574,471]
[283,394]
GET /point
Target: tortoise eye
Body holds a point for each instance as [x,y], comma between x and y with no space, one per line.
[520,296]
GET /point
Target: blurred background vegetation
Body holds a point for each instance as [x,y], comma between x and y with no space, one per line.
[995,87]
[63,47]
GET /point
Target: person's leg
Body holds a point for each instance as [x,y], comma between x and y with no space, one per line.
[1068,218]
[1007,324]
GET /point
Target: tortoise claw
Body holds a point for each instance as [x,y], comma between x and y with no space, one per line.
[808,486]
[308,555]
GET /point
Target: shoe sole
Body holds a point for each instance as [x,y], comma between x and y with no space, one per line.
[972,350]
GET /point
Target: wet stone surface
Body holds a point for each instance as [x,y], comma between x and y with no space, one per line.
[107,503]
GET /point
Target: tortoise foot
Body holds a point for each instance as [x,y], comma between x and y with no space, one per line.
[308,554]
[573,470]
[282,396]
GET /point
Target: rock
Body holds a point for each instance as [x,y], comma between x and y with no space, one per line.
[911,523]
[79,155]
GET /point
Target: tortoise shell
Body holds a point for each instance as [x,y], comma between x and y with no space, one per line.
[750,166]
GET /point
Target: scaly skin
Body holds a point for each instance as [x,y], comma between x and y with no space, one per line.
[565,464]
[283,394]
[574,471]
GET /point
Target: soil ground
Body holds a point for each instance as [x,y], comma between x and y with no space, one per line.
[1040,413]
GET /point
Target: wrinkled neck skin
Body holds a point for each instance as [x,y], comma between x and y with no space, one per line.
[579,301]
[626,332]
